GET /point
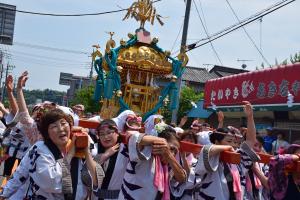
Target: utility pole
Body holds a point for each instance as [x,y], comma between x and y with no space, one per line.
[1,66]
[91,72]
[8,68]
[182,49]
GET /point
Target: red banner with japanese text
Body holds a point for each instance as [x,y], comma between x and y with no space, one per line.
[277,86]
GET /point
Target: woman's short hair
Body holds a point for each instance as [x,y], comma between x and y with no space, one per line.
[51,117]
[260,139]
[168,133]
[187,134]
[215,136]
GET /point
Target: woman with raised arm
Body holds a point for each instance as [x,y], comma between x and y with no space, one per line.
[10,88]
[14,139]
[222,181]
[48,166]
[29,123]
[282,181]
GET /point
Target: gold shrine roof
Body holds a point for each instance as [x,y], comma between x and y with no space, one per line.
[143,57]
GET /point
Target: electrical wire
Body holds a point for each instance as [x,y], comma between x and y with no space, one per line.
[41,47]
[244,22]
[262,12]
[206,32]
[48,58]
[45,62]
[248,35]
[69,15]
[173,46]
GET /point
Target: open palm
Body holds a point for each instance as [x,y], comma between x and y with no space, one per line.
[22,79]
[9,83]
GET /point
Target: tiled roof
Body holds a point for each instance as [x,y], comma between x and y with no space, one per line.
[196,74]
[222,71]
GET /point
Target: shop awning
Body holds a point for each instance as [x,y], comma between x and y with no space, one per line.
[266,89]
[199,111]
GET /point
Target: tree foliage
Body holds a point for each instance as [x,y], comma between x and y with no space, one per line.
[293,59]
[85,96]
[187,96]
[31,96]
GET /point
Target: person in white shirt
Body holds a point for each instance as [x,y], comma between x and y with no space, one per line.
[278,144]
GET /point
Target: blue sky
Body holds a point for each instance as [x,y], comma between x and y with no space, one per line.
[280,34]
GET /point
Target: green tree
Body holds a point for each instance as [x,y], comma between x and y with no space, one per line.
[85,96]
[187,96]
[295,58]
[285,62]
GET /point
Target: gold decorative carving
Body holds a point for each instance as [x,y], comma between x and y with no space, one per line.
[142,11]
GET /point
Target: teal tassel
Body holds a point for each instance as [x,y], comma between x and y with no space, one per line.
[98,90]
[108,89]
[173,97]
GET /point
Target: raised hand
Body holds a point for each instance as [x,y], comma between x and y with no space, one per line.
[112,150]
[22,80]
[2,107]
[9,83]
[248,110]
[183,121]
[160,146]
[220,116]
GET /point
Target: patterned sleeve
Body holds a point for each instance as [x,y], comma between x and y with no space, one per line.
[31,132]
[248,156]
[177,189]
[24,117]
[278,181]
[87,179]
[19,178]
[134,153]
[205,162]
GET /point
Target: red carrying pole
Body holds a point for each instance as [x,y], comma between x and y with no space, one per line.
[226,156]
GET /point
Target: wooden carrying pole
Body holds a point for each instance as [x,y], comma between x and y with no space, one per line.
[226,156]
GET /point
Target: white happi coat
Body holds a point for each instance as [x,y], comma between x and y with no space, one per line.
[184,191]
[17,142]
[139,176]
[40,174]
[119,170]
[210,181]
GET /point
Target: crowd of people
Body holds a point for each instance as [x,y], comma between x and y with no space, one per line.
[126,158]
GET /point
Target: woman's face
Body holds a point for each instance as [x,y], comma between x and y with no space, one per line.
[174,149]
[257,147]
[108,137]
[229,140]
[59,132]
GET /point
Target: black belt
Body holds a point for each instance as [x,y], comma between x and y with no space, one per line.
[107,194]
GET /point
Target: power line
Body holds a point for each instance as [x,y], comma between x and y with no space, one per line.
[206,32]
[45,63]
[69,15]
[47,57]
[239,25]
[41,47]
[43,58]
[262,12]
[248,35]
[176,38]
